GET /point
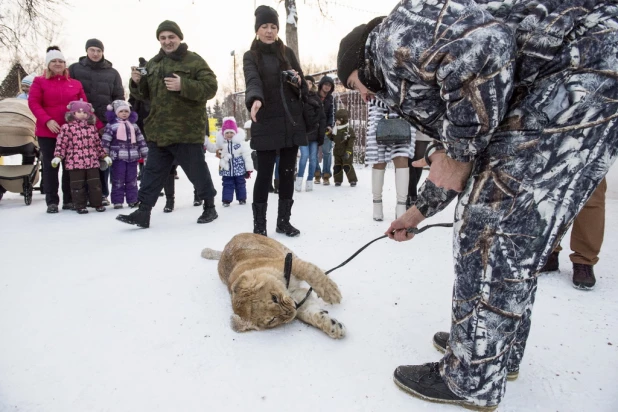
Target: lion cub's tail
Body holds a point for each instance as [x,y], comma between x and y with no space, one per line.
[211,254]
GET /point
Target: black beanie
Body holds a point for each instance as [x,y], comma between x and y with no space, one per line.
[169,25]
[352,48]
[266,14]
[309,79]
[95,43]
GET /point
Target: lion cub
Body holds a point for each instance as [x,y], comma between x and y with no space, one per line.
[252,268]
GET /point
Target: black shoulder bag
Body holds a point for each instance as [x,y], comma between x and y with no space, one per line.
[393,131]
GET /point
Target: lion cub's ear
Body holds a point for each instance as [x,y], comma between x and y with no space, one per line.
[240,325]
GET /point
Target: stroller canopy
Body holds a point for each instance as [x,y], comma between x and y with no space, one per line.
[17,123]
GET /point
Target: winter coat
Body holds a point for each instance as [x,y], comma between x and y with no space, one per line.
[235,154]
[318,133]
[328,101]
[49,98]
[452,80]
[79,145]
[273,129]
[123,149]
[176,117]
[343,136]
[101,82]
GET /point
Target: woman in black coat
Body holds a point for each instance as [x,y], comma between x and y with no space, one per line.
[274,99]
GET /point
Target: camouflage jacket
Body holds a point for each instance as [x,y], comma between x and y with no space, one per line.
[446,67]
[344,138]
[176,117]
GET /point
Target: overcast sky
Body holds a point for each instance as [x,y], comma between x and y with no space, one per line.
[212,28]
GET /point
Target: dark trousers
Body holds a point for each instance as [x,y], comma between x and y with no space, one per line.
[266,163]
[233,184]
[342,165]
[50,174]
[190,156]
[104,178]
[79,178]
[124,182]
[416,172]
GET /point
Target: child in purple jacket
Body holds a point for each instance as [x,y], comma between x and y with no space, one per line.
[124,142]
[80,147]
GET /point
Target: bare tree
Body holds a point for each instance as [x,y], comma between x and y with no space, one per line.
[291,22]
[24,26]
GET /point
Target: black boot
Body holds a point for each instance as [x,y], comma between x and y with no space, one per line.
[209,213]
[283,218]
[141,217]
[169,205]
[259,218]
[196,200]
[425,382]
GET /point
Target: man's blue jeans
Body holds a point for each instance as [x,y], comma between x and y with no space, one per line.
[308,153]
[327,157]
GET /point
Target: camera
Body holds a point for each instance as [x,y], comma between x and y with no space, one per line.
[142,70]
[290,76]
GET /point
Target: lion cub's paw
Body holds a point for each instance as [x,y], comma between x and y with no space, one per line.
[328,291]
[331,326]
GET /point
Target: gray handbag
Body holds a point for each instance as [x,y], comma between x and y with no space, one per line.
[392,131]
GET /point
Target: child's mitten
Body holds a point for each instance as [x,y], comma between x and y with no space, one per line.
[56,161]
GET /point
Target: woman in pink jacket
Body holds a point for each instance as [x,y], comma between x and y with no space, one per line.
[49,96]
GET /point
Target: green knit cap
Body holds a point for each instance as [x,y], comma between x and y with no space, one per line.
[169,25]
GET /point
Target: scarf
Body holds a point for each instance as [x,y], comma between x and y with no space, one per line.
[180,52]
[121,133]
[336,128]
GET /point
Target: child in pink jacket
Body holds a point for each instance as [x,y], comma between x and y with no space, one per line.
[79,145]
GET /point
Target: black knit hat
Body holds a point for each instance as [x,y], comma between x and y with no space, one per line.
[310,79]
[266,14]
[352,48]
[169,25]
[95,43]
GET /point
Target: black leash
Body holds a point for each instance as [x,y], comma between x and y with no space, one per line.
[288,258]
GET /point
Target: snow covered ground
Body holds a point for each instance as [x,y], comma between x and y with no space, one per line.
[96,315]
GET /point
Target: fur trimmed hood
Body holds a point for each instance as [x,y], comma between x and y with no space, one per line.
[112,118]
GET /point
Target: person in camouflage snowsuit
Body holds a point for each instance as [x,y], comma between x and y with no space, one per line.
[522,97]
[177,83]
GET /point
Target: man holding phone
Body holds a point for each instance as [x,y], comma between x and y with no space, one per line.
[177,82]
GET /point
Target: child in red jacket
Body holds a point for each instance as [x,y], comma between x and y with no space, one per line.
[79,145]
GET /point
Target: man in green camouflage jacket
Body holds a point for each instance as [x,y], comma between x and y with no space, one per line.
[177,83]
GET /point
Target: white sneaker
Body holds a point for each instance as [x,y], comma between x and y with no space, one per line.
[309,186]
[298,185]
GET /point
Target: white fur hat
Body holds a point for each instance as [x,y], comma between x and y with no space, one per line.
[53,54]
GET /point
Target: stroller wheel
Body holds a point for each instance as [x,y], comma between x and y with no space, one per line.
[28,194]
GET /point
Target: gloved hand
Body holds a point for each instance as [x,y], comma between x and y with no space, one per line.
[347,155]
[56,161]
[248,174]
[108,160]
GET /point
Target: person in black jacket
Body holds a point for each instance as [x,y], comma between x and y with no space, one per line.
[326,87]
[103,85]
[274,86]
[315,122]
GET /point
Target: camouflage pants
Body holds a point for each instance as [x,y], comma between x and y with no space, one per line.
[525,190]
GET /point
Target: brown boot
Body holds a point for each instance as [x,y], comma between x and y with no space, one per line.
[583,276]
[552,263]
[325,179]
[317,177]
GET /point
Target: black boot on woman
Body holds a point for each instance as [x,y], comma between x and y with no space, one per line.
[259,218]
[283,218]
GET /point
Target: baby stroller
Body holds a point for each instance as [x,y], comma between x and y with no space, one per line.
[17,125]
